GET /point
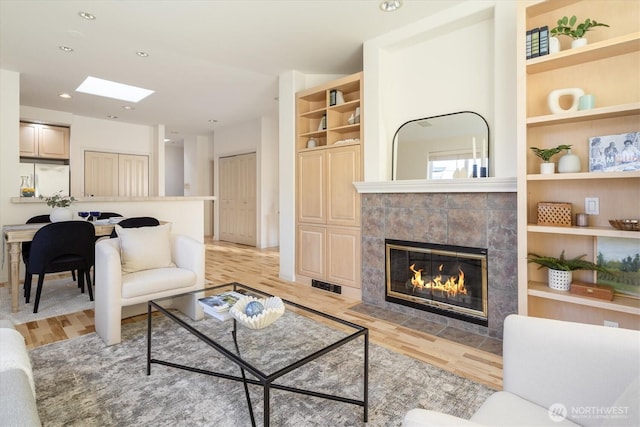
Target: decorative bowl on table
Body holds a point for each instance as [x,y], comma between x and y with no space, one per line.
[273,308]
[625,224]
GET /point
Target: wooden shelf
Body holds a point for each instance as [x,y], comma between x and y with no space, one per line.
[584,231]
[605,49]
[584,115]
[347,128]
[315,114]
[620,303]
[345,106]
[582,176]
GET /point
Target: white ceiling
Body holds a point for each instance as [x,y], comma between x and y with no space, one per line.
[208,60]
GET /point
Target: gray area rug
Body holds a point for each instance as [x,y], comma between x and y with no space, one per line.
[80,382]
[59,296]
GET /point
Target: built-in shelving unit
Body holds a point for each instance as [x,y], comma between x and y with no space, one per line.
[607,67]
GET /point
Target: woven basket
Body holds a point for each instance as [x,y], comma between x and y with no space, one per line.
[555,214]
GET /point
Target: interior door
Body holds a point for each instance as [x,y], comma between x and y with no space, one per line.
[237,197]
[133,175]
[100,174]
[227,221]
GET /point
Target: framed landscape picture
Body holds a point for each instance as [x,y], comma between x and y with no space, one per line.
[615,153]
[622,257]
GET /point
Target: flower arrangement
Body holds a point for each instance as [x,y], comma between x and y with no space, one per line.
[57,200]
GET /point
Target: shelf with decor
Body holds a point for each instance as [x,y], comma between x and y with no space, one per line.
[607,68]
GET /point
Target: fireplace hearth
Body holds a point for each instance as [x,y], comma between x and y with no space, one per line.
[444,279]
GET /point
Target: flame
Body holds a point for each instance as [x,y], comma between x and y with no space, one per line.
[452,286]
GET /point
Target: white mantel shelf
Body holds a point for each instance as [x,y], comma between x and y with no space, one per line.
[120,199]
[470,185]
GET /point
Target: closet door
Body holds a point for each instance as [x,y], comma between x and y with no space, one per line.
[246,200]
[100,174]
[227,200]
[133,175]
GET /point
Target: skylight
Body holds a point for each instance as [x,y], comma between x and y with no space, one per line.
[109,89]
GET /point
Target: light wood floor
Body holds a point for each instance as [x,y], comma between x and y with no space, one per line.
[227,262]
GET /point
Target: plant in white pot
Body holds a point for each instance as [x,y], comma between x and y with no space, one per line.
[566,27]
[60,205]
[560,269]
[548,167]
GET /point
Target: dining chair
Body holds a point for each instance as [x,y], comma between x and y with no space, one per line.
[136,222]
[61,246]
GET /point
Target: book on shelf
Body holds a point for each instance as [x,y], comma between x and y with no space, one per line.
[544,40]
[218,305]
[535,42]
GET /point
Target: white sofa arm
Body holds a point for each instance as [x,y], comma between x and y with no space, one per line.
[108,288]
[189,254]
[577,365]
[428,418]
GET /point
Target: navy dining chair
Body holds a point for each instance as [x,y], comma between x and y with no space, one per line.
[136,222]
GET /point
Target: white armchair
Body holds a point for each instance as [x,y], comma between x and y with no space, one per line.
[555,374]
[119,294]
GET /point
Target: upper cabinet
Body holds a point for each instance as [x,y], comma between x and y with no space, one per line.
[608,68]
[44,141]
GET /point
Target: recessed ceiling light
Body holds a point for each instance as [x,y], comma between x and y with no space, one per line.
[65,95]
[167,140]
[390,5]
[109,89]
[128,107]
[213,121]
[111,116]
[142,54]
[86,15]
[66,48]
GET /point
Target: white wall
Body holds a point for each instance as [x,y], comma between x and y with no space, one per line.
[174,170]
[259,136]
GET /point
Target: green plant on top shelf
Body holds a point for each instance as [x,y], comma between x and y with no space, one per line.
[547,153]
[565,27]
[562,263]
[58,200]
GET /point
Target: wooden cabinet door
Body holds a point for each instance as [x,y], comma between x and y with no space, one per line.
[28,140]
[53,142]
[311,251]
[343,201]
[100,174]
[245,171]
[343,256]
[227,200]
[311,187]
[133,175]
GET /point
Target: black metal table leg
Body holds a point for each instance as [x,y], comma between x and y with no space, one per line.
[148,339]
[244,378]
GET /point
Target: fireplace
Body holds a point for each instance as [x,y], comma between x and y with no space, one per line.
[444,279]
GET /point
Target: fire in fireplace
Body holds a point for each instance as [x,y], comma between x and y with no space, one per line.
[443,279]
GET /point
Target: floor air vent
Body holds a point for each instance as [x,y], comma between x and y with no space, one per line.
[326,286]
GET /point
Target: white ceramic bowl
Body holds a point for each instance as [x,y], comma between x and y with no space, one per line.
[273,309]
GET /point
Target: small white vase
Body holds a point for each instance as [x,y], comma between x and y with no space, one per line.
[547,168]
[560,280]
[569,163]
[578,43]
[554,45]
[61,214]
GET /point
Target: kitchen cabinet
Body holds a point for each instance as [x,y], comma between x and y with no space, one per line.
[115,174]
[44,141]
[608,67]
[328,162]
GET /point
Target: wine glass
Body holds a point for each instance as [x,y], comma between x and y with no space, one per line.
[83,215]
[95,215]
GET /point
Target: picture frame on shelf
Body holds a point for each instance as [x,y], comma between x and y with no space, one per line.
[622,257]
[615,153]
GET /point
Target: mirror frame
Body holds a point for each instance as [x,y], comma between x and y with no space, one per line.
[395,142]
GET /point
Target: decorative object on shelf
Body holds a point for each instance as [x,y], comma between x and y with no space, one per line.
[554,214]
[582,219]
[565,27]
[553,100]
[336,97]
[569,163]
[352,119]
[604,292]
[625,224]
[560,269]
[586,102]
[546,154]
[357,118]
[621,258]
[26,190]
[323,123]
[554,45]
[312,143]
[273,308]
[60,205]
[615,153]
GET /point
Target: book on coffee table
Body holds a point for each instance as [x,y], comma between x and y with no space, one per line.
[218,305]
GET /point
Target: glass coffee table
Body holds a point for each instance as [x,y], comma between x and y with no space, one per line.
[268,357]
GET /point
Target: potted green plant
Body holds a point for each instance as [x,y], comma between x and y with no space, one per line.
[548,167]
[561,268]
[567,27]
[60,205]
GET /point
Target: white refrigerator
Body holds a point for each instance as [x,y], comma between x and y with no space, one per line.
[46,178]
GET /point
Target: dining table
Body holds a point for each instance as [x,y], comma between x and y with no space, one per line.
[15,235]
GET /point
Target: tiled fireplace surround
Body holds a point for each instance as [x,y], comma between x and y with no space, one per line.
[483,220]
